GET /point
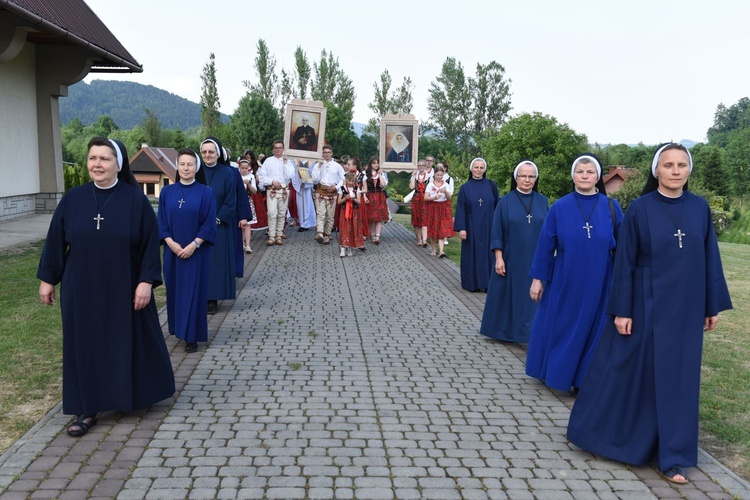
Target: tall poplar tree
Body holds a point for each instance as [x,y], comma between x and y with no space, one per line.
[387,101]
[265,67]
[210,115]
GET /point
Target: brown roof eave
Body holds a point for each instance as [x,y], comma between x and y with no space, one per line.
[131,66]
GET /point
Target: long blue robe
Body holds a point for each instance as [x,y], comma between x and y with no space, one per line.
[187,279]
[508,310]
[475,217]
[243,212]
[639,401]
[114,357]
[578,271]
[222,271]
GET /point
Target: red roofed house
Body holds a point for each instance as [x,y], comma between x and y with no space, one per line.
[616,176]
[45,46]
[154,168]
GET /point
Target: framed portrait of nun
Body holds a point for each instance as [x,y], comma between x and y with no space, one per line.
[304,129]
[399,138]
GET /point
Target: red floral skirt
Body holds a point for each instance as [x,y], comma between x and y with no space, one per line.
[418,211]
[363,217]
[350,230]
[377,210]
[261,211]
[439,219]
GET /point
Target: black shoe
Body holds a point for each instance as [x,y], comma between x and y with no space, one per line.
[191,347]
[302,229]
[213,306]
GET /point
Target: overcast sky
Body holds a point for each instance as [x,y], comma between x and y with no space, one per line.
[619,72]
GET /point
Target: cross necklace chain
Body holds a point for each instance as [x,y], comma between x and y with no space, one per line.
[679,234]
[531,205]
[182,201]
[588,227]
[99,211]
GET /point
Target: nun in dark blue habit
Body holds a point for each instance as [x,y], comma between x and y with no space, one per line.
[473,222]
[639,400]
[516,225]
[103,248]
[187,226]
[221,180]
[574,258]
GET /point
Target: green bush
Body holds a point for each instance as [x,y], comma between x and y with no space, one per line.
[74,175]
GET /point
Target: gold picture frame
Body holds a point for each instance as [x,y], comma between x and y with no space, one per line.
[304,129]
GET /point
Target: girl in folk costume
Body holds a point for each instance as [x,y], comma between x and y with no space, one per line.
[438,214]
[418,183]
[350,230]
[356,167]
[248,179]
[377,210]
[347,165]
[258,197]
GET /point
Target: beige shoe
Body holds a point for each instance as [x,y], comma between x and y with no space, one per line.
[270,242]
[279,241]
[319,237]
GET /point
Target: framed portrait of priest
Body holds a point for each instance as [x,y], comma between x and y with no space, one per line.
[399,141]
[304,129]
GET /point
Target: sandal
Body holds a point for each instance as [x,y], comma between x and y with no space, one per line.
[80,427]
[441,255]
[671,475]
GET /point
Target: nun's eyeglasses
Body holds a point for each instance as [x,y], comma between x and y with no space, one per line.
[527,177]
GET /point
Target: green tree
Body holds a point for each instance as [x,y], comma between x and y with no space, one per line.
[152,128]
[255,124]
[339,131]
[709,170]
[174,138]
[631,188]
[103,127]
[286,91]
[449,104]
[265,68]
[302,73]
[368,146]
[548,143]
[332,85]
[491,99]
[738,162]
[467,110]
[622,154]
[210,116]
[387,101]
[728,120]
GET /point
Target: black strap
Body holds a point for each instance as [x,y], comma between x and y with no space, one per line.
[614,219]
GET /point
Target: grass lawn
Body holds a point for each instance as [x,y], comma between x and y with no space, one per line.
[725,384]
